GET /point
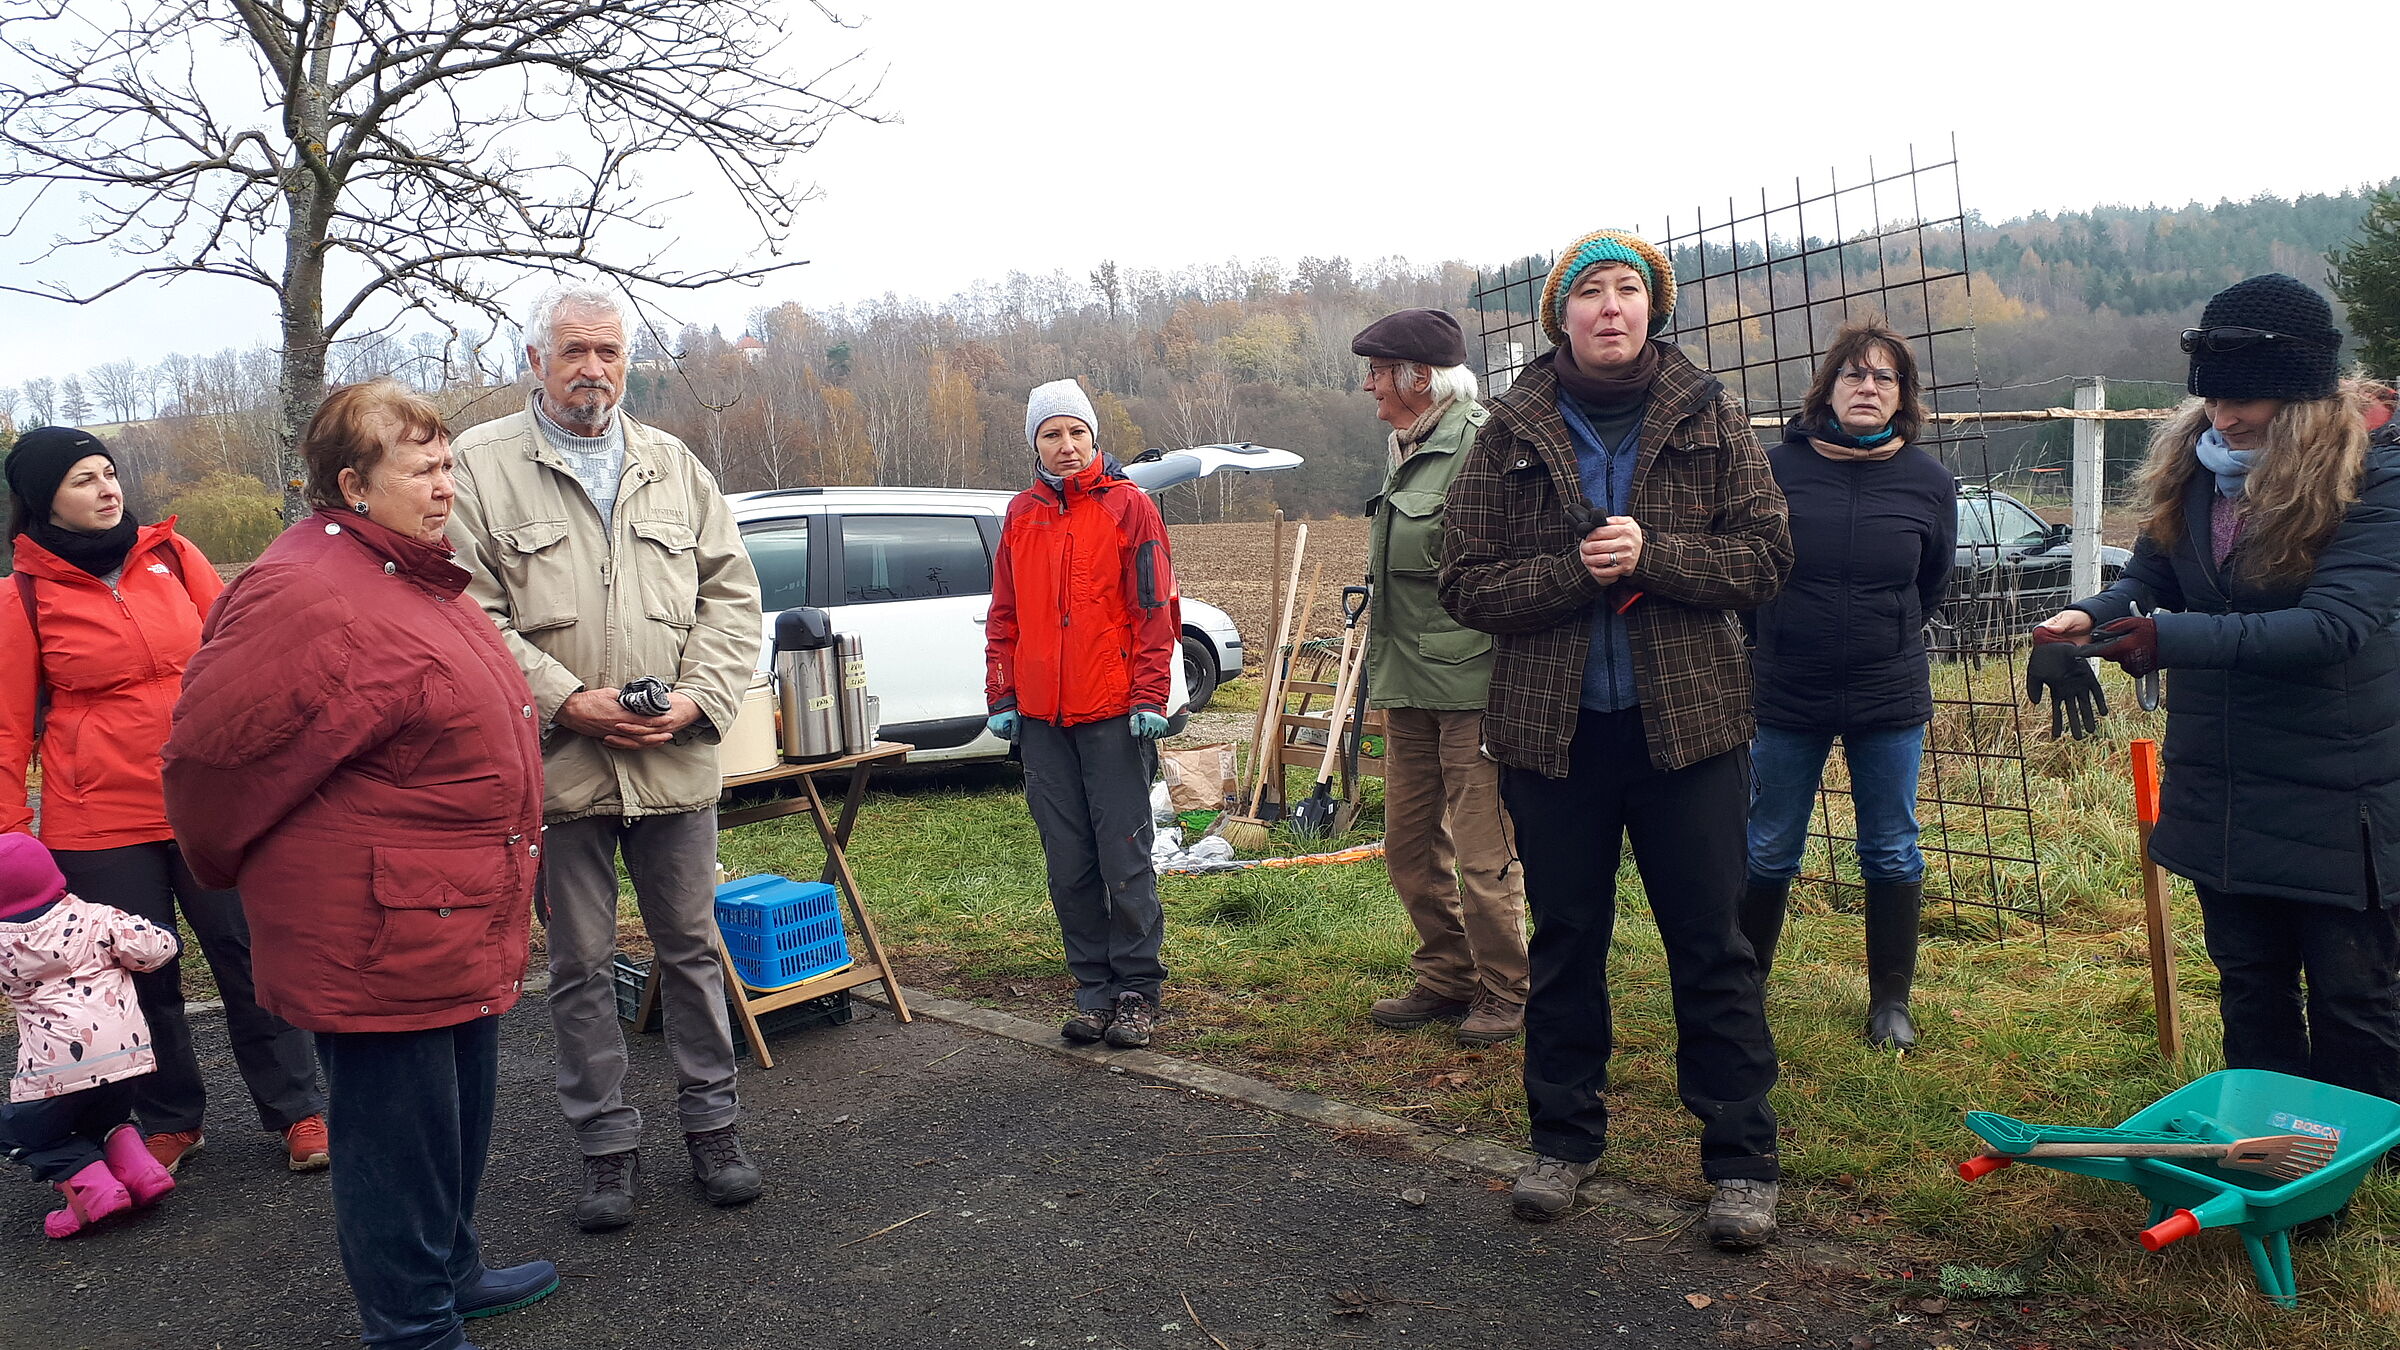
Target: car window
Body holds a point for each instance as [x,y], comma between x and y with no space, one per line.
[912,558]
[780,553]
[1997,520]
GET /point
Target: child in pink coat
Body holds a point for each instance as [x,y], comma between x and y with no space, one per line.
[81,1040]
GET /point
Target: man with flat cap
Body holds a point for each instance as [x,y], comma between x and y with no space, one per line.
[1447,843]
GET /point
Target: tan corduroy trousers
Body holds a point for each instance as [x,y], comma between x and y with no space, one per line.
[1452,856]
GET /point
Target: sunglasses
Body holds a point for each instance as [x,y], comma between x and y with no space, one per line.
[2235,339]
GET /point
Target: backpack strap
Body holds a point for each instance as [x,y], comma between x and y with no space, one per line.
[33,625]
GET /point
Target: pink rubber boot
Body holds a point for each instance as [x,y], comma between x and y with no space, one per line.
[92,1194]
[132,1165]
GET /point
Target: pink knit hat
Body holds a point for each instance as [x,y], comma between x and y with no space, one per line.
[28,876]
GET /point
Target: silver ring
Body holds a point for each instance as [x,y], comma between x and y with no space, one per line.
[1612,558]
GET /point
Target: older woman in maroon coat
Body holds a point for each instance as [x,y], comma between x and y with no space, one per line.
[356,750]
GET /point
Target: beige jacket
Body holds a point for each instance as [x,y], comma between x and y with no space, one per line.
[671,594]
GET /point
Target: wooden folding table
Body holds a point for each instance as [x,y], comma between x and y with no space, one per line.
[870,966]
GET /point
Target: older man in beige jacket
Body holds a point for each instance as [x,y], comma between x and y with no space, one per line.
[605,553]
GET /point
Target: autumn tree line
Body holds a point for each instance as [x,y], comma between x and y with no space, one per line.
[905,391]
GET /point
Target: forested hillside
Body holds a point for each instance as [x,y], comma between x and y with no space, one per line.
[901,390]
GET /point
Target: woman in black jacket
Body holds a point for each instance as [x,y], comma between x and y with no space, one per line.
[2272,531]
[1841,652]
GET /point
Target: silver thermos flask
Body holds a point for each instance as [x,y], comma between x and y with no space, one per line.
[858,730]
[808,684]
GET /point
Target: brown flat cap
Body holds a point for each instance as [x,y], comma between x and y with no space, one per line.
[1428,336]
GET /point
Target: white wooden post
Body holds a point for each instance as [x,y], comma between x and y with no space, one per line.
[2086,489]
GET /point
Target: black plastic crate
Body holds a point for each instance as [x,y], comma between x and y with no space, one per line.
[832,1010]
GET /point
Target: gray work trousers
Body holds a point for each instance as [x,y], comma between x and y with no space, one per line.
[673,862]
[1088,787]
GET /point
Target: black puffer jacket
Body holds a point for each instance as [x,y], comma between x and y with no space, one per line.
[2283,706]
[1843,647]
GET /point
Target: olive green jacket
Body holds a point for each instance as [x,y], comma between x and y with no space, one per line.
[1417,655]
[668,592]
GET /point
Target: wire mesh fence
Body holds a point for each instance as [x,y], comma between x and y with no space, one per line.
[1760,293]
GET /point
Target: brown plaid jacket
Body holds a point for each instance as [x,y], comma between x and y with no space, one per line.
[1715,539]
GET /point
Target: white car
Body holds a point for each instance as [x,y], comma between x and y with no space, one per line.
[910,571]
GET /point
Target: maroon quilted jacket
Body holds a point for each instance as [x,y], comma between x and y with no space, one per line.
[1715,539]
[356,750]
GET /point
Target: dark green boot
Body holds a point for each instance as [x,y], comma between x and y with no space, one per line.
[1762,919]
[1893,909]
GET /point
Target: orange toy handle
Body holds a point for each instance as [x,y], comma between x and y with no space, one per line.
[2173,1228]
[1982,1165]
[2145,781]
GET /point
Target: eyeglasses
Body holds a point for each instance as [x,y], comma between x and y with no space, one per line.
[1375,368]
[2234,339]
[1879,377]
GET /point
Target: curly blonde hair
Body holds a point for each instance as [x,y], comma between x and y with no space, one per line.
[2306,477]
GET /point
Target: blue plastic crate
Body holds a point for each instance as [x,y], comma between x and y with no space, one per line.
[781,931]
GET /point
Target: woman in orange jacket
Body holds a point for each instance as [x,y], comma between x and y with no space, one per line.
[1077,646]
[110,609]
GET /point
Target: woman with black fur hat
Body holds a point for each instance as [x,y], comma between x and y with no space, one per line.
[109,611]
[2271,541]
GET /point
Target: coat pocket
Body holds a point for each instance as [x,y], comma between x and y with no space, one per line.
[670,570]
[1414,547]
[534,566]
[1453,646]
[433,942]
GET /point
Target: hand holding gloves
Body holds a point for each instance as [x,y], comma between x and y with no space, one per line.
[2058,665]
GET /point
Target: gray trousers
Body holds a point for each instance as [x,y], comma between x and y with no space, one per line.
[1089,790]
[673,862]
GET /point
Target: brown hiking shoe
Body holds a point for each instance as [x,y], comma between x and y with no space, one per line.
[1135,1017]
[1491,1022]
[1415,1008]
[1087,1025]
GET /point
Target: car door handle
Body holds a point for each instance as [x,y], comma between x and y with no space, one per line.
[983,618]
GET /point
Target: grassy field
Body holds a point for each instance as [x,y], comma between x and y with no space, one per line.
[1273,971]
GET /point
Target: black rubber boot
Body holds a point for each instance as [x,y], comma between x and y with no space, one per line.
[1762,919]
[1893,908]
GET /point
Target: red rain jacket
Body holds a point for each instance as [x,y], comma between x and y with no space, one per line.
[113,661]
[356,749]
[1085,615]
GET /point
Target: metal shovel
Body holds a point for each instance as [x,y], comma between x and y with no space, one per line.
[1313,817]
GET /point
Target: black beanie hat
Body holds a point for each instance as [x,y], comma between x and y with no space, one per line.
[40,461]
[1429,337]
[2289,370]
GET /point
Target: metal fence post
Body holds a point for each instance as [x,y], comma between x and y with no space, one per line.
[2090,438]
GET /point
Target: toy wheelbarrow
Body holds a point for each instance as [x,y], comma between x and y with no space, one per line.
[2189,1194]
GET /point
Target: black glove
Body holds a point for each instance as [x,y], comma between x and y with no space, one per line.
[2076,701]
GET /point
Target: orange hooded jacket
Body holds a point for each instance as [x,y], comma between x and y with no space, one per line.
[113,660]
[1085,616]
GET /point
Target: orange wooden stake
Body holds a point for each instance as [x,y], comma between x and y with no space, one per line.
[2154,902]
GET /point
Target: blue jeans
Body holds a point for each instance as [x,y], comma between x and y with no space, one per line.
[410,1118]
[1787,766]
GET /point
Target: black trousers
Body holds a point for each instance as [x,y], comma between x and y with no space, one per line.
[1088,788]
[2345,1028]
[411,1129]
[1687,828]
[60,1136]
[149,881]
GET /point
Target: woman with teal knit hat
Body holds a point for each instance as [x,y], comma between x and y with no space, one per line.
[1613,516]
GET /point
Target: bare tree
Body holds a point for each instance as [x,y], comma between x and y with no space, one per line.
[417,155]
[121,387]
[41,400]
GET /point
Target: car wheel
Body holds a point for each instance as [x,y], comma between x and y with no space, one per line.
[1199,672]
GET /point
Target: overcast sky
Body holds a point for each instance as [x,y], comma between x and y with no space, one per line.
[1038,135]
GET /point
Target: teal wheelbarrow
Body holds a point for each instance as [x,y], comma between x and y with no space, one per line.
[2188,1194]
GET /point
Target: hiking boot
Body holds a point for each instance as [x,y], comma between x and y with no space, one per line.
[173,1146]
[1491,1022]
[723,1168]
[305,1143]
[1741,1215]
[493,1292]
[1415,1008]
[1130,1027]
[607,1202]
[1087,1025]
[1546,1186]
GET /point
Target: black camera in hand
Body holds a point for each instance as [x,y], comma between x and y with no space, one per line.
[645,697]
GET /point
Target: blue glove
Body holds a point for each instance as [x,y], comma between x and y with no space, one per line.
[1148,725]
[1003,724]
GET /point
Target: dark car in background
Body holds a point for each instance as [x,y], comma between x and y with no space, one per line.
[2013,570]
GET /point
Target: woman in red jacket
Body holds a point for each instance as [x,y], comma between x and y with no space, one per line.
[356,749]
[111,609]
[1077,649]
